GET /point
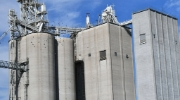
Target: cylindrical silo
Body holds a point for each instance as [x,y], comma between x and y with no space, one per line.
[40,51]
[66,73]
[39,82]
[12,73]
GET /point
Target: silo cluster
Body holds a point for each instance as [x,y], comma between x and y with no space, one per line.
[90,66]
[97,63]
[45,56]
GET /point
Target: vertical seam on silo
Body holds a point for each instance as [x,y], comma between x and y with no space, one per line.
[178,45]
[160,50]
[168,65]
[168,45]
[170,58]
[111,73]
[176,31]
[175,55]
[159,57]
[171,31]
[153,54]
[164,55]
[122,63]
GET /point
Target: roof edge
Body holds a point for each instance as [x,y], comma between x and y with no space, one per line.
[156,12]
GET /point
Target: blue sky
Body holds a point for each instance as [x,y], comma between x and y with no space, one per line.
[72,13]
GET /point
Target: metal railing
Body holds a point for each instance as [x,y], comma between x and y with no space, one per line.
[13,66]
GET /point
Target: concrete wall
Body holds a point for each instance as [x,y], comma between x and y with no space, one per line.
[157,59]
[66,73]
[177,49]
[122,66]
[12,73]
[145,75]
[98,85]
[39,48]
[112,78]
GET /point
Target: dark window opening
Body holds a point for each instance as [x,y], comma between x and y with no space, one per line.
[115,53]
[127,56]
[103,55]
[80,81]
[176,42]
[142,38]
[89,54]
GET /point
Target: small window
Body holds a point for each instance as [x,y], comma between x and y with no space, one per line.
[142,38]
[115,53]
[103,55]
[127,56]
[89,54]
[176,42]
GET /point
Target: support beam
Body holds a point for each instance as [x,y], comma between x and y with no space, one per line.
[13,66]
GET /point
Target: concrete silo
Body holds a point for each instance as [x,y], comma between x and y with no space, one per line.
[66,73]
[38,83]
[12,73]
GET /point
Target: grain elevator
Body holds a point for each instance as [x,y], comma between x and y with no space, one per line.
[105,52]
[156,46]
[137,59]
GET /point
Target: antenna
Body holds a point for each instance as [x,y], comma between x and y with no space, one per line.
[87,20]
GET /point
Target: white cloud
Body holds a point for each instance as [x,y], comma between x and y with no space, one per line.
[173,4]
[68,19]
[68,11]
[62,5]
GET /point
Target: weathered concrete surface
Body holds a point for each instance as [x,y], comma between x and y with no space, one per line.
[112,78]
[66,70]
[39,48]
[157,64]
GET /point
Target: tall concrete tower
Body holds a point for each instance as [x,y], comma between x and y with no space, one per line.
[157,55]
[104,65]
[66,73]
[38,83]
